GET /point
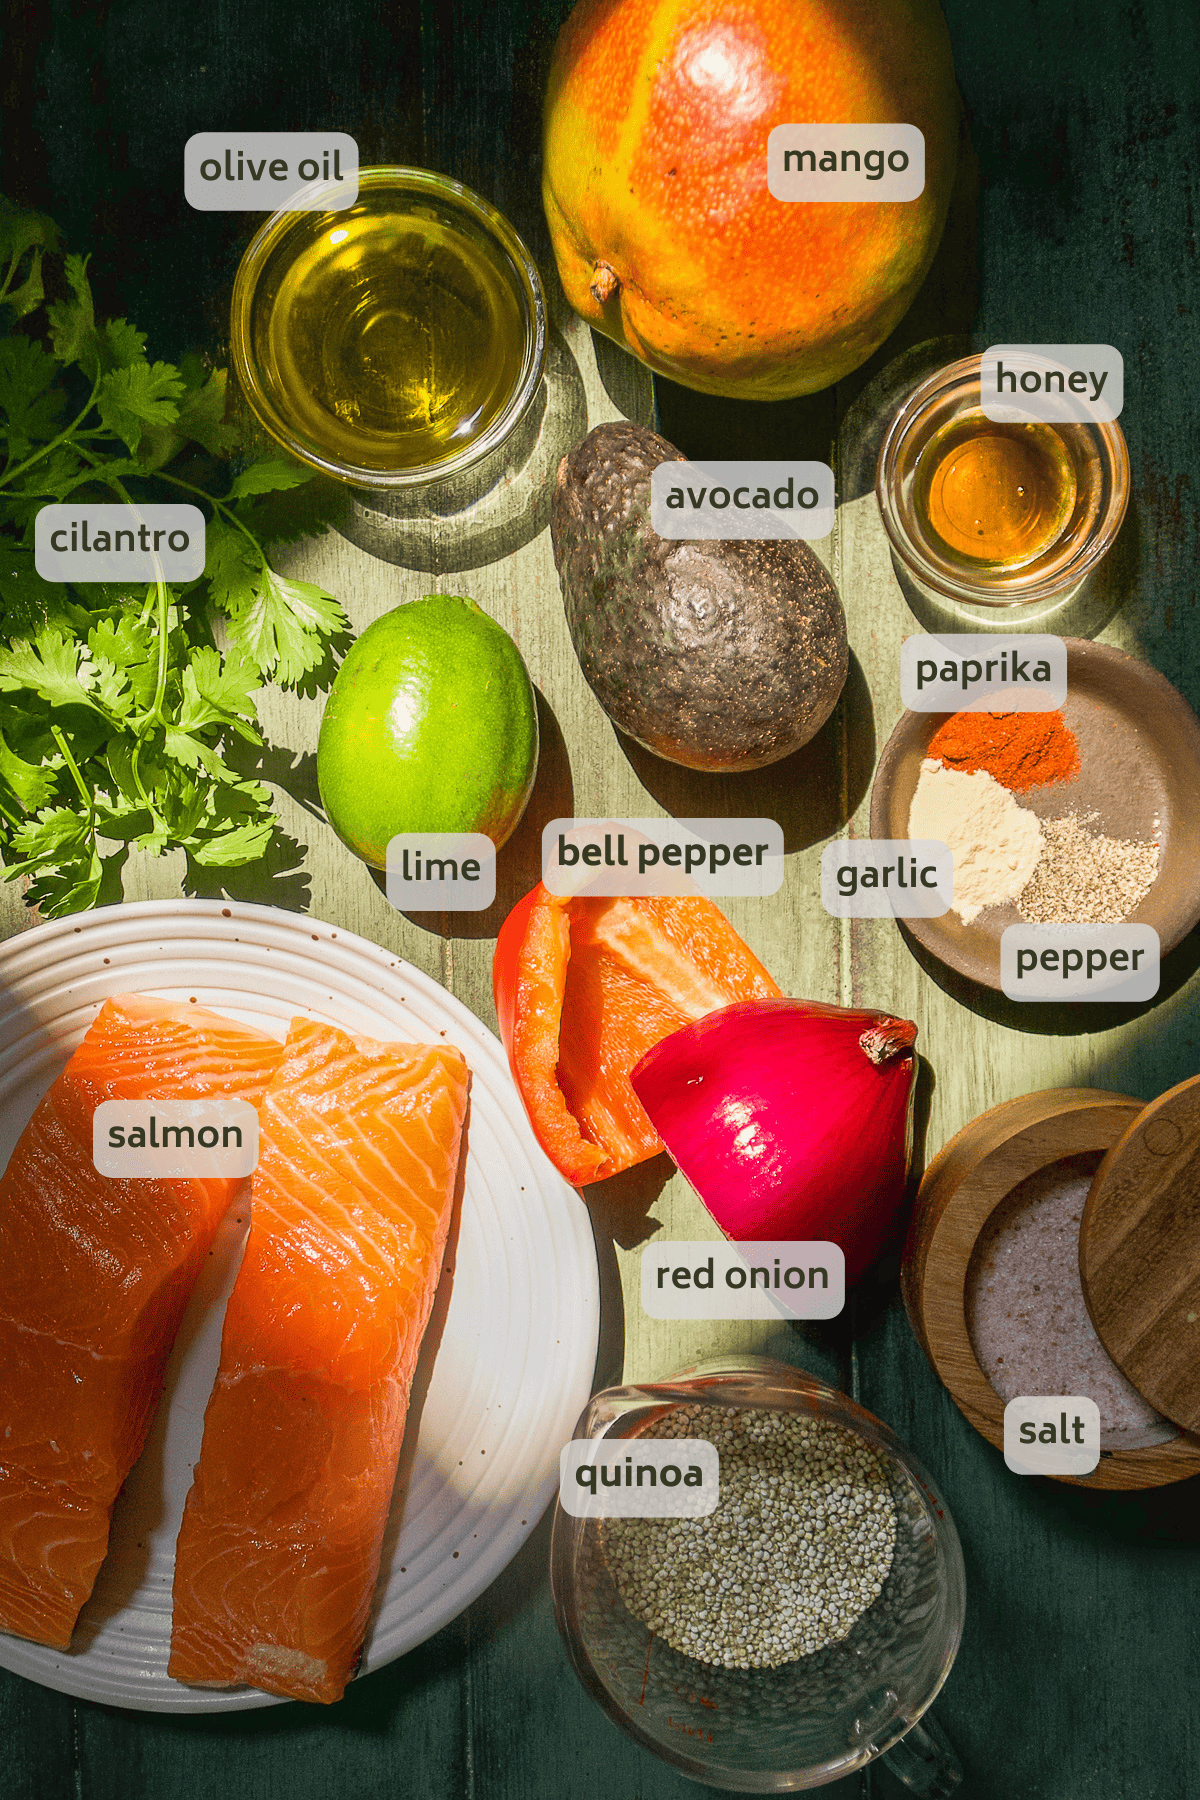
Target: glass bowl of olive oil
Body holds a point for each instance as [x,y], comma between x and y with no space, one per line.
[996,514]
[391,343]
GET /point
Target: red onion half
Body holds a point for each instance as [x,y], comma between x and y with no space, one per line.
[791,1120]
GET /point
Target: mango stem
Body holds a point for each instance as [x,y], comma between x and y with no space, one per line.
[605,283]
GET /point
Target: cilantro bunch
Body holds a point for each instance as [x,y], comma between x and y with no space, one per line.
[122,710]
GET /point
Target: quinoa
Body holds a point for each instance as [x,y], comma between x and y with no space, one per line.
[798,1547]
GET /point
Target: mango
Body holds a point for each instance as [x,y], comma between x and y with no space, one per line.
[655,182]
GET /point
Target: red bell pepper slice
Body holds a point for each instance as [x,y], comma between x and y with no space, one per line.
[584,987]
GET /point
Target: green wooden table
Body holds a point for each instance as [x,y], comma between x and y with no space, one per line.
[1080,1668]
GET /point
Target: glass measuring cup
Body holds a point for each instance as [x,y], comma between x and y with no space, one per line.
[807,1722]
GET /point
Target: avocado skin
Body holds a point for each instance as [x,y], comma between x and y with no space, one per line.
[718,655]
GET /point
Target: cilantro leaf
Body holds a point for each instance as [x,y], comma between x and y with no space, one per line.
[73,333]
[110,684]
[28,296]
[130,646]
[211,695]
[202,415]
[267,476]
[125,641]
[52,666]
[124,793]
[284,515]
[140,395]
[192,752]
[215,690]
[22,229]
[123,344]
[43,839]
[236,828]
[284,626]
[200,420]
[30,400]
[24,233]
[54,477]
[28,600]
[242,844]
[71,883]
[230,564]
[30,784]
[120,818]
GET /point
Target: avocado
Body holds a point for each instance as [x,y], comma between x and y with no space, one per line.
[719,655]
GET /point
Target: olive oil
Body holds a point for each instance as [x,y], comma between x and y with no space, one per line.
[397,338]
[995,494]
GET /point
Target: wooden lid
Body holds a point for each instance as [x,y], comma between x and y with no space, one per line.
[963,1186]
[1139,1253]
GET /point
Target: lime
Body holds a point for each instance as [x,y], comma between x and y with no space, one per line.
[430,726]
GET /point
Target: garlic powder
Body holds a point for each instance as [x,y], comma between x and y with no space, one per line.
[995,842]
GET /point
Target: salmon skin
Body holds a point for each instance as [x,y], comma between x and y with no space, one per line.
[278,1553]
[95,1274]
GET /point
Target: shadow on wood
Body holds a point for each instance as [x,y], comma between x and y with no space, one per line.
[1047,1019]
[810,794]
[620,1206]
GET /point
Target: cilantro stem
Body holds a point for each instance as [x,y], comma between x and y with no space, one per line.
[11,474]
[107,479]
[12,269]
[85,791]
[143,796]
[164,628]
[163,622]
[221,506]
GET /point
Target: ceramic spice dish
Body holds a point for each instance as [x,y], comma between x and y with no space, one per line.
[1139,1261]
[1139,750]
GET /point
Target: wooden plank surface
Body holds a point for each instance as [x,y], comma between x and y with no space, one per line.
[1081,1662]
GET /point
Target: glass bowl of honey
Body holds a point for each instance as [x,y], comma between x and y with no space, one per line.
[393,342]
[989,514]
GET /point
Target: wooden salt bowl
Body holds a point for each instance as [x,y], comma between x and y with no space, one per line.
[962,1187]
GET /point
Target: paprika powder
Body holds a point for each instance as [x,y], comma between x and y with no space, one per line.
[1020,750]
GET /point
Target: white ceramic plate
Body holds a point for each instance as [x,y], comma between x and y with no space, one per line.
[508,1361]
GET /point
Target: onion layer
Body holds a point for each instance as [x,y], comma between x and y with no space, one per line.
[791,1120]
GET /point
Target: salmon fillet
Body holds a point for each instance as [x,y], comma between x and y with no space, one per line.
[95,1274]
[278,1554]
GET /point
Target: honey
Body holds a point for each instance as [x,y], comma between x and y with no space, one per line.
[396,337]
[995,494]
[999,513]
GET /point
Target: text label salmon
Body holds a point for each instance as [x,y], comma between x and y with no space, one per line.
[208,1140]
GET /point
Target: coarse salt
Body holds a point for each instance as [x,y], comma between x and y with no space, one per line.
[1026,1314]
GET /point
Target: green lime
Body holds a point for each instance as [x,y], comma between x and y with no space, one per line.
[430,726]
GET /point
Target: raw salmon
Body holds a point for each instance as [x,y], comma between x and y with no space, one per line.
[95,1274]
[279,1550]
